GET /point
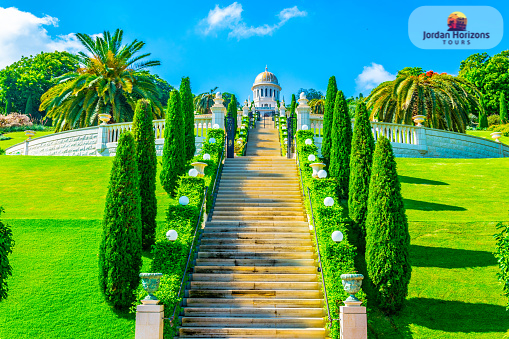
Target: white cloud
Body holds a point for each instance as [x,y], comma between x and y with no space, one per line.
[230,18]
[23,34]
[372,76]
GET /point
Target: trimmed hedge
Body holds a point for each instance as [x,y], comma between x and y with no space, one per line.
[502,255]
[6,246]
[337,258]
[188,112]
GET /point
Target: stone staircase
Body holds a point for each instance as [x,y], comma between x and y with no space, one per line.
[255,274]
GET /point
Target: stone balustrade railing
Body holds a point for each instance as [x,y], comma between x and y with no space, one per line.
[316,124]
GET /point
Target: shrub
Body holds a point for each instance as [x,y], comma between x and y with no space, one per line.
[493,120]
[361,159]
[502,255]
[15,120]
[387,236]
[173,150]
[483,120]
[330,100]
[188,113]
[2,151]
[504,119]
[120,250]
[147,167]
[500,128]
[341,143]
[6,246]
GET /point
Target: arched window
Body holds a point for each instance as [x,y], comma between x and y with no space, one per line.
[270,92]
[265,91]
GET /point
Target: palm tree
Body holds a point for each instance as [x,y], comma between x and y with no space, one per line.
[317,105]
[203,101]
[109,80]
[445,100]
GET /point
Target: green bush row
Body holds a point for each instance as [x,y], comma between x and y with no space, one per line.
[337,258]
[242,137]
[283,133]
[500,128]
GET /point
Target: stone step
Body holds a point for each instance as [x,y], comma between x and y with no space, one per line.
[255,248]
[252,302]
[254,229]
[256,269]
[258,213]
[256,223]
[255,205]
[217,239]
[256,235]
[230,208]
[254,262]
[256,255]
[242,333]
[228,322]
[256,175]
[258,217]
[276,185]
[258,192]
[267,294]
[263,200]
[253,285]
[253,312]
[262,277]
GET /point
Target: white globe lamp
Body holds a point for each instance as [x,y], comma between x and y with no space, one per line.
[305,127]
[216,126]
[193,172]
[308,142]
[337,236]
[212,140]
[172,235]
[183,200]
[322,174]
[206,156]
[328,201]
[311,157]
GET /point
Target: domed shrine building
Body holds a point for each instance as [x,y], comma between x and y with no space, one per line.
[266,91]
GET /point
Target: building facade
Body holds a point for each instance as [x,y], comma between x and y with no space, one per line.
[266,91]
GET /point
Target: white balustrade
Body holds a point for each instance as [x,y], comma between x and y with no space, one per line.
[316,124]
[403,134]
[202,123]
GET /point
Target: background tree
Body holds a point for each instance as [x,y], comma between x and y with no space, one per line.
[186,97]
[490,76]
[415,71]
[363,146]
[293,105]
[330,100]
[30,77]
[341,143]
[310,93]
[6,246]
[163,87]
[109,80]
[387,236]
[503,109]
[146,158]
[173,150]
[232,108]
[445,100]
[203,101]
[317,105]
[120,251]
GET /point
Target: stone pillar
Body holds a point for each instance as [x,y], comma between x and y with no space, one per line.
[218,111]
[245,109]
[282,108]
[420,140]
[102,139]
[354,322]
[149,321]
[26,147]
[303,110]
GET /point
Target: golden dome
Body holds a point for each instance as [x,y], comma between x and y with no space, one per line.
[265,77]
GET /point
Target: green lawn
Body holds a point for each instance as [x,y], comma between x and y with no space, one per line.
[18,137]
[55,204]
[487,135]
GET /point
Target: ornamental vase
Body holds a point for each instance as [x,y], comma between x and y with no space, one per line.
[150,282]
[352,284]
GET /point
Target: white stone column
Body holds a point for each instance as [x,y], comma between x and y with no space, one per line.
[282,109]
[420,140]
[354,322]
[102,139]
[218,111]
[26,147]
[149,321]
[303,110]
[245,109]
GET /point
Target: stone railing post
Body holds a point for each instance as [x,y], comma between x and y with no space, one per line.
[282,108]
[420,140]
[218,111]
[102,139]
[354,321]
[26,147]
[303,111]
[245,110]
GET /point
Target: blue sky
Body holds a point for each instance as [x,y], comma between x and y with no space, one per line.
[227,43]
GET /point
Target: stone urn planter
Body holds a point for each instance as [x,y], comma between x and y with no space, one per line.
[352,284]
[150,282]
[200,167]
[496,136]
[104,118]
[317,167]
[29,134]
[419,119]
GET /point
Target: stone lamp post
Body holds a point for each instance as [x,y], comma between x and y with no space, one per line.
[303,110]
[354,322]
[218,111]
[149,315]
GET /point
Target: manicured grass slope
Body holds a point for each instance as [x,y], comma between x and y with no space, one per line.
[452,206]
[487,135]
[18,137]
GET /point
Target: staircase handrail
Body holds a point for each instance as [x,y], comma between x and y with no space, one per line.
[198,223]
[320,268]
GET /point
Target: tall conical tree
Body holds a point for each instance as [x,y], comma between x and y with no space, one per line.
[503,109]
[341,143]
[8,106]
[146,158]
[173,150]
[293,105]
[361,158]
[29,107]
[387,236]
[120,250]
[188,112]
[483,117]
[232,108]
[328,114]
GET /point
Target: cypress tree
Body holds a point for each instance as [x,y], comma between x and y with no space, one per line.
[6,246]
[232,108]
[188,112]
[328,114]
[147,166]
[173,150]
[341,143]
[503,109]
[293,105]
[387,236]
[120,250]
[363,145]
[8,106]
[29,107]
